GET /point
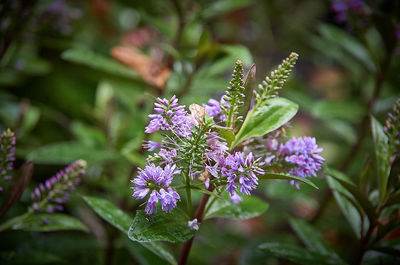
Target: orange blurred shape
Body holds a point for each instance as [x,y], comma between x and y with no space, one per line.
[152,71]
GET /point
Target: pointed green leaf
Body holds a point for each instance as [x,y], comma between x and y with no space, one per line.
[248,208]
[115,216]
[348,209]
[288,177]
[297,255]
[100,62]
[270,116]
[161,226]
[249,83]
[109,212]
[312,238]
[360,197]
[382,156]
[67,152]
[49,222]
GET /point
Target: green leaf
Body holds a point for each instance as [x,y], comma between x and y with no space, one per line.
[248,208]
[116,217]
[288,177]
[96,61]
[349,44]
[312,238]
[227,134]
[17,186]
[172,227]
[270,116]
[49,222]
[297,255]
[361,198]
[382,157]
[109,212]
[218,8]
[348,209]
[249,83]
[67,152]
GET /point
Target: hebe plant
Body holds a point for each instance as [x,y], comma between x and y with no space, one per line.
[215,149]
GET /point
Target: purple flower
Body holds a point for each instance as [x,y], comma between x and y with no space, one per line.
[156,179]
[216,146]
[213,109]
[151,206]
[303,154]
[170,117]
[168,199]
[56,190]
[7,155]
[151,145]
[241,172]
[193,224]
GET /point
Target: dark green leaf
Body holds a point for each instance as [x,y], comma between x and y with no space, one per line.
[360,197]
[249,83]
[349,44]
[99,62]
[287,177]
[382,156]
[248,208]
[227,135]
[297,255]
[49,222]
[67,152]
[312,238]
[270,116]
[115,216]
[161,226]
[348,209]
[17,186]
[218,8]
[109,212]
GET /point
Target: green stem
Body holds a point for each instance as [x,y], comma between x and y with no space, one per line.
[189,199]
[15,220]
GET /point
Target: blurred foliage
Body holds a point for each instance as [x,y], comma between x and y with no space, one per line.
[69,93]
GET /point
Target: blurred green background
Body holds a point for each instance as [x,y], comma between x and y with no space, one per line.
[78,79]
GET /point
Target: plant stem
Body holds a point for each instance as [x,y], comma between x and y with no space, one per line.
[199,216]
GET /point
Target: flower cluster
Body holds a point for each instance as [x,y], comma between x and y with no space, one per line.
[241,172]
[170,117]
[7,155]
[156,181]
[341,8]
[392,127]
[196,147]
[55,191]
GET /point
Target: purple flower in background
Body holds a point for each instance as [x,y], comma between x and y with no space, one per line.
[303,154]
[216,146]
[55,191]
[7,155]
[170,117]
[241,172]
[156,179]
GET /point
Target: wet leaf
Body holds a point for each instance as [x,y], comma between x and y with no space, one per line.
[172,227]
[116,217]
[250,207]
[49,222]
[287,177]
